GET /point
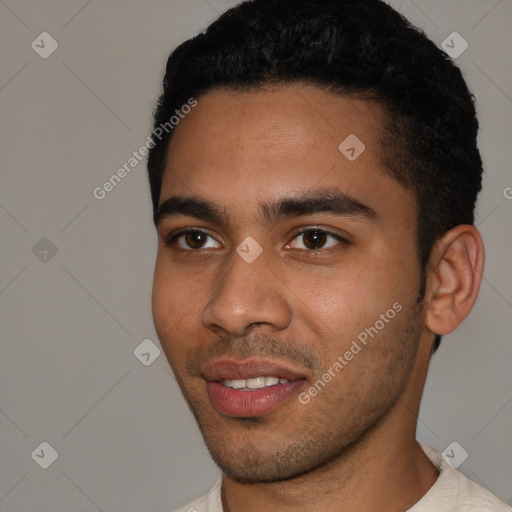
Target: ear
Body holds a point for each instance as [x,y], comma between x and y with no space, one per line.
[455,271]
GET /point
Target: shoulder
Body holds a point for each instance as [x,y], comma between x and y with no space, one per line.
[211,502]
[454,492]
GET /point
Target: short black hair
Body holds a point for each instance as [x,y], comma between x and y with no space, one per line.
[350,47]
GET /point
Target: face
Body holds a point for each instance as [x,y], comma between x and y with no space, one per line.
[287,277]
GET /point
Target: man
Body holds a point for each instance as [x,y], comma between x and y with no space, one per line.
[314,201]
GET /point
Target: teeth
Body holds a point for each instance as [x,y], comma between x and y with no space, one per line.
[254,382]
[238,384]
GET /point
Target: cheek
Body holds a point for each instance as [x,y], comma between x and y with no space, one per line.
[338,302]
[175,299]
[163,285]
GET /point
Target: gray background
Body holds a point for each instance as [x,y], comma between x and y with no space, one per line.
[71,321]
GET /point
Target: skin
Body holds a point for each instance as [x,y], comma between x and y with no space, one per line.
[354,442]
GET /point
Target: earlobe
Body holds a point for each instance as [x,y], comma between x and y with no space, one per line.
[454,277]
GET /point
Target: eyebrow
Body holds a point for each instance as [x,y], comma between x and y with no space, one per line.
[330,201]
[191,207]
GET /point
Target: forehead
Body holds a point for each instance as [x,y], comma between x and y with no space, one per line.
[284,121]
[274,142]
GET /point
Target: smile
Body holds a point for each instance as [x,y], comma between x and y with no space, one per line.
[251,388]
[253,383]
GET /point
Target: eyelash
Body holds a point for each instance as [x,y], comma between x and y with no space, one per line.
[170,240]
[339,238]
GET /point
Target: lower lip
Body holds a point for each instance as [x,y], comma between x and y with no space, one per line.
[251,404]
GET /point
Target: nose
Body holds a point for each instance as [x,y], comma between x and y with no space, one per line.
[248,294]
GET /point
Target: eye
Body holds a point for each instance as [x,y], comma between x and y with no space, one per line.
[191,239]
[316,239]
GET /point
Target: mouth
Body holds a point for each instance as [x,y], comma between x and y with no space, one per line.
[251,388]
[253,383]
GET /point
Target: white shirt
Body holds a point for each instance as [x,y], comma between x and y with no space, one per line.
[452,492]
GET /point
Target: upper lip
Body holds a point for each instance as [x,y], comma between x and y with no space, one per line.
[231,369]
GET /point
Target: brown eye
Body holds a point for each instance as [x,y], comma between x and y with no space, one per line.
[314,239]
[191,239]
[195,240]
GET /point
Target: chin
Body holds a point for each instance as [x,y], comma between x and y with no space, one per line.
[251,457]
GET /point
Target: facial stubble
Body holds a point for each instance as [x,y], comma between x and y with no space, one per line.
[314,436]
